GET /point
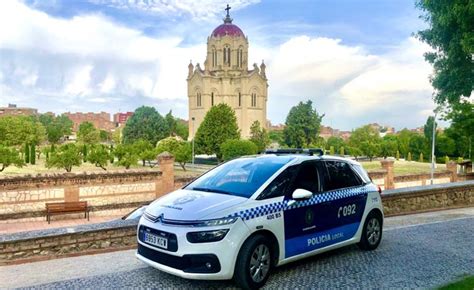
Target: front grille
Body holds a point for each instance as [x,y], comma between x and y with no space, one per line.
[205,263]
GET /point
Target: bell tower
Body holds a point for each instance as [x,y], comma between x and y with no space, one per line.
[226,78]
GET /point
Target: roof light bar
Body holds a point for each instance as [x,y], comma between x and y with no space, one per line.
[302,151]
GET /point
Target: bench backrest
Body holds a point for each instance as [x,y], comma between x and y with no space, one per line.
[66,205]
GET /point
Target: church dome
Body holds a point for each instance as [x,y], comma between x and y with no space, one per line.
[227,29]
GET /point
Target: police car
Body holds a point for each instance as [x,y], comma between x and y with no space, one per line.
[248,215]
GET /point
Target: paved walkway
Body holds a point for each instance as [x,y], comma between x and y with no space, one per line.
[16,227]
[417,251]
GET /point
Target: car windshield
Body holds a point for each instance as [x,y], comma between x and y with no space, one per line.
[241,177]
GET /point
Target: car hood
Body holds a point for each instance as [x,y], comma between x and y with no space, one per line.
[191,205]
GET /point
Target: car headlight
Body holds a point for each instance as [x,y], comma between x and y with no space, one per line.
[216,222]
[206,236]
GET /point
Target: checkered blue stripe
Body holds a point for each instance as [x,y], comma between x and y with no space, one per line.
[267,209]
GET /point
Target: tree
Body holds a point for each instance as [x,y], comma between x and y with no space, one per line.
[404,137]
[56,127]
[105,136]
[302,125]
[341,151]
[181,150]
[259,136]
[421,157]
[9,156]
[235,148]
[276,137]
[389,146]
[419,145]
[88,134]
[144,150]
[367,140]
[331,150]
[451,36]
[182,129]
[16,130]
[128,158]
[99,156]
[65,156]
[27,153]
[218,126]
[409,156]
[336,142]
[117,136]
[445,146]
[171,123]
[147,124]
[428,129]
[462,128]
[33,154]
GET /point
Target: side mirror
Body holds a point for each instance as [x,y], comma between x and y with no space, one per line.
[299,194]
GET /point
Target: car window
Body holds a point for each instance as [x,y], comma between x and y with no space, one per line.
[307,177]
[280,185]
[341,175]
[241,177]
[362,173]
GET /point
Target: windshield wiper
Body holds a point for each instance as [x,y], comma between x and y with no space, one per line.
[212,190]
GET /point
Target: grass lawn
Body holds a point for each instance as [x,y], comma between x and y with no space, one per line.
[466,283]
[402,167]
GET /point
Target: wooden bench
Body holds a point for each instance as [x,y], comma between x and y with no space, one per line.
[56,208]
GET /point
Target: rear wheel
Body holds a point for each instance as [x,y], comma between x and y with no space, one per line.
[372,232]
[253,263]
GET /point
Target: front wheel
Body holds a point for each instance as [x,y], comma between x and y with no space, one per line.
[372,232]
[253,263]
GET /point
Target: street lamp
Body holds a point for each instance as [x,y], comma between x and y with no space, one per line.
[193,141]
[433,160]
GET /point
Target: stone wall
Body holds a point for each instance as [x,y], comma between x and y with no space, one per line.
[428,198]
[25,197]
[56,243]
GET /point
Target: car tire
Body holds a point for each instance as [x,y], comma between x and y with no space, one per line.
[254,263]
[372,232]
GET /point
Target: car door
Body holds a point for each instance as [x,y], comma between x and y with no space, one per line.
[306,222]
[346,189]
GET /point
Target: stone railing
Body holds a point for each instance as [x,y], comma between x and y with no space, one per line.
[119,234]
[386,178]
[25,197]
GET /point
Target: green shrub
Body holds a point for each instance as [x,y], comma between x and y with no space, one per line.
[66,156]
[421,157]
[398,155]
[409,156]
[235,148]
[341,151]
[33,154]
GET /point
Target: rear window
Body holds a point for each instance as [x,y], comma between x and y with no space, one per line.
[341,175]
[362,173]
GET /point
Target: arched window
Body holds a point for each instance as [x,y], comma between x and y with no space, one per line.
[240,99]
[198,99]
[254,100]
[214,57]
[227,55]
[212,99]
[240,57]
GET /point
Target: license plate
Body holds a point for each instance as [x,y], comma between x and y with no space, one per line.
[156,240]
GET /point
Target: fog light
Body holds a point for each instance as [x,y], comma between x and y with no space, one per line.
[208,265]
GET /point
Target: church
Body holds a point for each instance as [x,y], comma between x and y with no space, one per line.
[225,78]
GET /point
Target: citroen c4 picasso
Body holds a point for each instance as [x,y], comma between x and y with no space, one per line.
[248,215]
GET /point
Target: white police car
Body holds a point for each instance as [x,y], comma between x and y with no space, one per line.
[250,214]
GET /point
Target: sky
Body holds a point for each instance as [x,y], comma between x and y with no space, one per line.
[357,60]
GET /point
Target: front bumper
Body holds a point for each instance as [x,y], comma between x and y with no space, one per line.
[209,261]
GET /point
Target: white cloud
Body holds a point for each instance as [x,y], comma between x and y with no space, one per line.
[202,9]
[89,60]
